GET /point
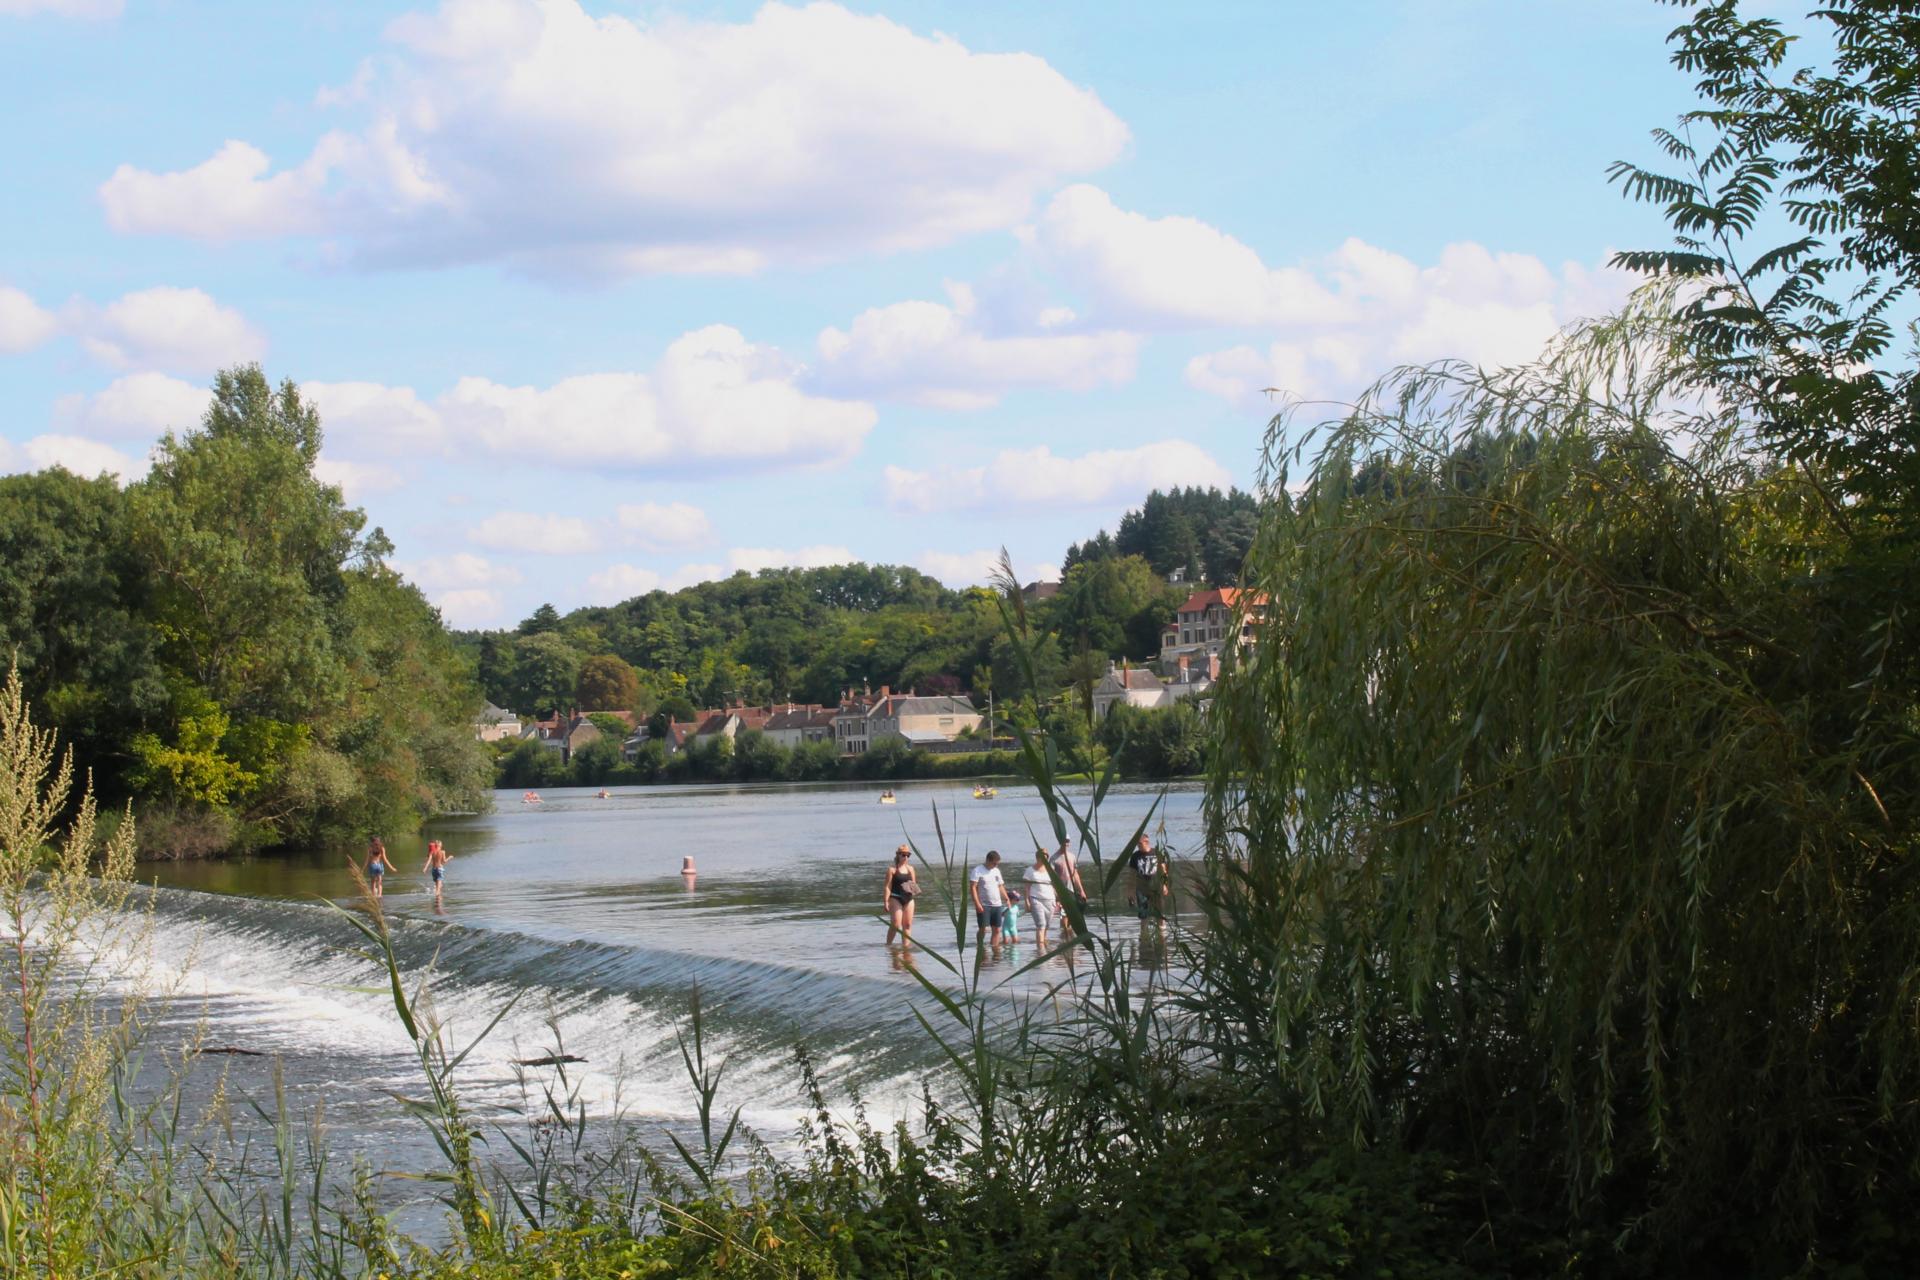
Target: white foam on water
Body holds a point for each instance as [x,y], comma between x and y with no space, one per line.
[303,997]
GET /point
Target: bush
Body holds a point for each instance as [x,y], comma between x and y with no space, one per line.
[531,764]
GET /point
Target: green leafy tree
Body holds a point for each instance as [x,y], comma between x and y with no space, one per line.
[607,683]
[1579,756]
[546,672]
[530,764]
[757,757]
[246,552]
[72,606]
[543,621]
[595,763]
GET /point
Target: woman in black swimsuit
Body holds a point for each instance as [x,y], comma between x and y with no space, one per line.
[901,888]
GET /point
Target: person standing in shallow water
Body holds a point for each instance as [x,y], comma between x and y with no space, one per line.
[376,866]
[436,865]
[1042,901]
[989,891]
[1150,880]
[902,886]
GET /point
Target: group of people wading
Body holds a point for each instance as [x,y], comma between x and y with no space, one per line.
[997,905]
[379,863]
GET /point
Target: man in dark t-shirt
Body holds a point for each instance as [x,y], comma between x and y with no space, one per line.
[1149,878]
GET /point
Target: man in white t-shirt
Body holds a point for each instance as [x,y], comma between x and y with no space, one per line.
[989,890]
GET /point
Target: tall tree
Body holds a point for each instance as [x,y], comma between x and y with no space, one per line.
[607,683]
[72,600]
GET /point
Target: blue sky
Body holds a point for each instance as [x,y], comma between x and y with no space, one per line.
[598,297]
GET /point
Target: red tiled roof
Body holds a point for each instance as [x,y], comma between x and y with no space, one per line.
[1224,596]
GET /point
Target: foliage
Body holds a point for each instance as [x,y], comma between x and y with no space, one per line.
[224,642]
[1168,742]
[58,1047]
[607,683]
[1201,533]
[1803,333]
[72,596]
[811,635]
[1565,741]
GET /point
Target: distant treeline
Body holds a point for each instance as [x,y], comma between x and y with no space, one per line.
[1149,744]
[223,642]
[806,635]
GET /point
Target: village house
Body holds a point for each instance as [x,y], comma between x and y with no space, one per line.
[730,722]
[1135,686]
[550,732]
[791,726]
[1203,628]
[495,724]
[1192,680]
[1139,687]
[865,720]
[677,735]
[581,729]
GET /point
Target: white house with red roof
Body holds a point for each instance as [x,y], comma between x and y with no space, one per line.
[1204,628]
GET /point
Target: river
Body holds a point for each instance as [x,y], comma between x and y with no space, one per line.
[575,912]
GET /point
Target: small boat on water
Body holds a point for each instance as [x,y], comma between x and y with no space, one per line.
[985,793]
[604,794]
[532,797]
[887,797]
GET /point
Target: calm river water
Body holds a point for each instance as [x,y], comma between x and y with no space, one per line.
[575,912]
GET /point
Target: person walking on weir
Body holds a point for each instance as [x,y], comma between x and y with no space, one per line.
[436,865]
[989,891]
[897,894]
[1150,879]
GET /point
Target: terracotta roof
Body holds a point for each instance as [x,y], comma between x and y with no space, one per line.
[1225,596]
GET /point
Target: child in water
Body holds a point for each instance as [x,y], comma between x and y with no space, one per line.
[376,866]
[1010,922]
[436,865]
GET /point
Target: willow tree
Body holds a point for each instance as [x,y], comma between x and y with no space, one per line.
[1583,805]
[1572,781]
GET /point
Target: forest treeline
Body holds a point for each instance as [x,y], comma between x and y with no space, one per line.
[224,644]
[807,635]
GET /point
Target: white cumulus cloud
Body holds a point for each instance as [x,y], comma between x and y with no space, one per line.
[1038,476]
[621,582]
[182,330]
[543,533]
[536,133]
[368,416]
[713,402]
[471,607]
[656,526]
[1169,272]
[138,406]
[356,480]
[463,586]
[24,323]
[1489,309]
[959,568]
[940,355]
[81,456]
